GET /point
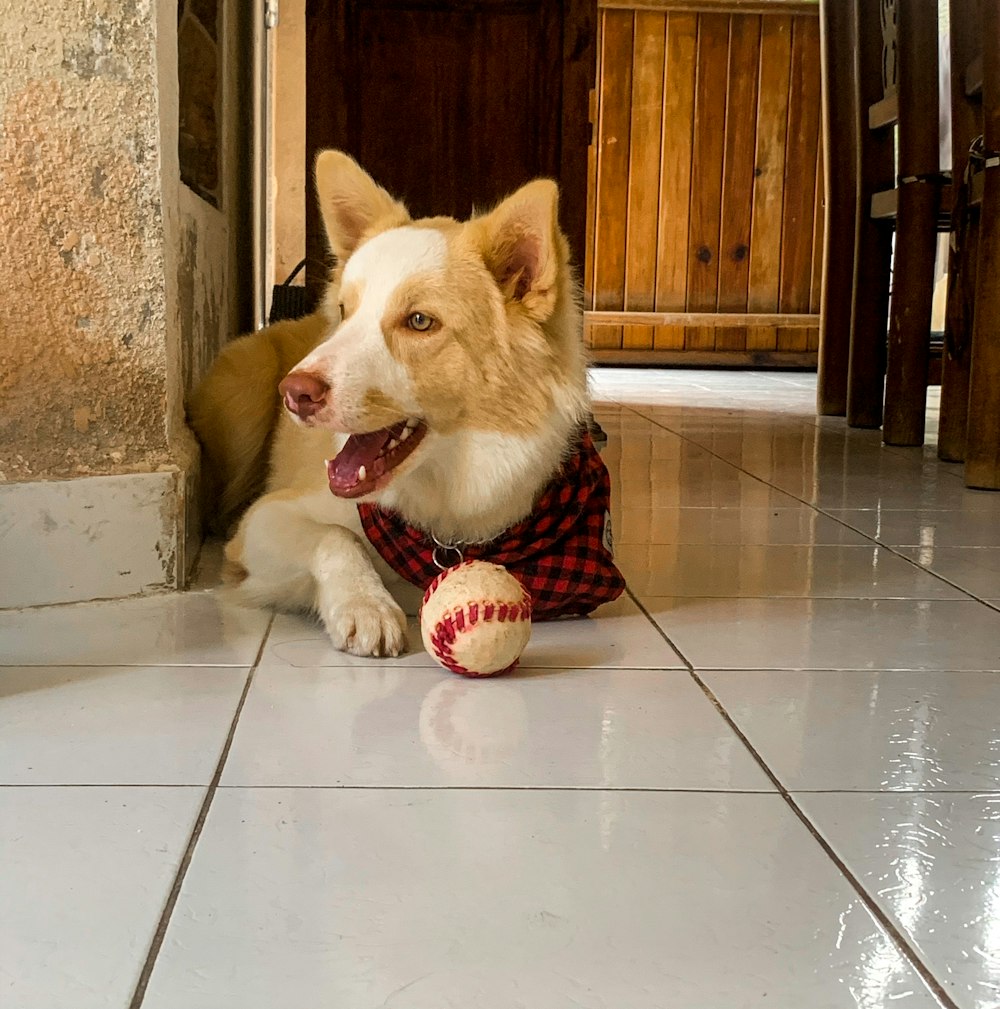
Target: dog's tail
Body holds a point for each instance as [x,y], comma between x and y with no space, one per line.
[235,407]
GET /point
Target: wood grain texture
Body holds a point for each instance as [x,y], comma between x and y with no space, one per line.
[710,158]
[764,278]
[819,229]
[710,319]
[645,135]
[834,247]
[614,122]
[386,80]
[738,175]
[982,457]
[706,177]
[815,297]
[966,123]
[579,75]
[870,306]
[808,7]
[707,358]
[644,159]
[588,264]
[680,70]
[800,169]
[916,228]
[600,337]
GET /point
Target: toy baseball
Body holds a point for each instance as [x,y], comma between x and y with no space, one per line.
[476,619]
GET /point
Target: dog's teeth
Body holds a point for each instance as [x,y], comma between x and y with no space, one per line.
[393,444]
[362,474]
[407,431]
[412,423]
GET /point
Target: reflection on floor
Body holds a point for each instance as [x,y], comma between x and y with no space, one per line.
[770,777]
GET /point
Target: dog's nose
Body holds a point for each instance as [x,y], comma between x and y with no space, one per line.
[303,392]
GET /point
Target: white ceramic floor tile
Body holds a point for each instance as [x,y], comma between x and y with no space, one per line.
[831,633]
[424,727]
[84,875]
[925,528]
[617,635]
[844,572]
[114,725]
[864,491]
[690,481]
[722,526]
[931,863]
[492,899]
[869,731]
[587,833]
[975,569]
[182,628]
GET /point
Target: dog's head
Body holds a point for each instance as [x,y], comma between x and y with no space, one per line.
[445,327]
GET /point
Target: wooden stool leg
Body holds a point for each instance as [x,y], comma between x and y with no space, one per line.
[872,262]
[916,225]
[966,42]
[957,356]
[910,314]
[982,457]
[840,96]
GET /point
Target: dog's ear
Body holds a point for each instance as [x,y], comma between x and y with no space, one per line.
[521,247]
[352,203]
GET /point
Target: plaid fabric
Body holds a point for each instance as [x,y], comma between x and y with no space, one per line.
[558,552]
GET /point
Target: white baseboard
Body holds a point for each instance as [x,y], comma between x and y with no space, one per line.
[98,537]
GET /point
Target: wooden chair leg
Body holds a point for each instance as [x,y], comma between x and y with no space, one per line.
[953,420]
[837,42]
[982,456]
[916,226]
[873,260]
[966,43]
[910,314]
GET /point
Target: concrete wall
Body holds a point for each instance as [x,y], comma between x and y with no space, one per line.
[119,285]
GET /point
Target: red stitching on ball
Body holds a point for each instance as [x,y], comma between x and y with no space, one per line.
[446,630]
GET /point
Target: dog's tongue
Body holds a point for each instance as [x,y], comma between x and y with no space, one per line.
[362,464]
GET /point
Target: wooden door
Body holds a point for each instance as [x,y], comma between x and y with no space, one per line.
[452,105]
[705,241]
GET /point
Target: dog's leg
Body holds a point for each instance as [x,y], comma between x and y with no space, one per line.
[360,615]
[286,559]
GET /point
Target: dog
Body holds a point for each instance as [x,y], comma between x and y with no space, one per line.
[433,408]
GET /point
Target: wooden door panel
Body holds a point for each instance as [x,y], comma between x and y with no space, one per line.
[453,105]
[738,182]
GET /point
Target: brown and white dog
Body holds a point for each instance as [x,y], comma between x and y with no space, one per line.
[443,378]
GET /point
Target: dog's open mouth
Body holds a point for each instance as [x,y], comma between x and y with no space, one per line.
[366,463]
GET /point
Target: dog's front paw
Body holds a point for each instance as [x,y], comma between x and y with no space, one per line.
[368,627]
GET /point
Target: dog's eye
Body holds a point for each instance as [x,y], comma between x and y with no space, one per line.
[419,322]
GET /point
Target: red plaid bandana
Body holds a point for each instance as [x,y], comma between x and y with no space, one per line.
[560,552]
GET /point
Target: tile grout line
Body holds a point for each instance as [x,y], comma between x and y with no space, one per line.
[883,919]
[532,788]
[819,511]
[139,994]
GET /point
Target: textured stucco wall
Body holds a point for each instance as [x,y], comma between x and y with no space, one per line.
[83,367]
[118,281]
[118,286]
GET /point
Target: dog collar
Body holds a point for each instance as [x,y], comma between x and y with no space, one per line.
[560,552]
